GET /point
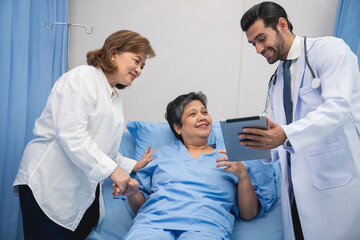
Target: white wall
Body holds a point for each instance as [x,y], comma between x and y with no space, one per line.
[199,46]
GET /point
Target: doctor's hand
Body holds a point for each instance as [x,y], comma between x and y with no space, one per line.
[120,179]
[263,139]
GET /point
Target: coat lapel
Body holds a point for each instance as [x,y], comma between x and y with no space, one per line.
[299,79]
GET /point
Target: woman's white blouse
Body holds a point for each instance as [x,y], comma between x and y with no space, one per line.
[76,146]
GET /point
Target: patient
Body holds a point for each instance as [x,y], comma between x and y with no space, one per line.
[189,188]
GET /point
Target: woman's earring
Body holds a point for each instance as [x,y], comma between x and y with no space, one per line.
[113,59]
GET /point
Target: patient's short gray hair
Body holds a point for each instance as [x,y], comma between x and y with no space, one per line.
[175,109]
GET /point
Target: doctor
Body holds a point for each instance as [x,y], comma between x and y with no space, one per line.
[319,145]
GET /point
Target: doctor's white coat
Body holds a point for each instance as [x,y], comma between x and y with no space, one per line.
[325,138]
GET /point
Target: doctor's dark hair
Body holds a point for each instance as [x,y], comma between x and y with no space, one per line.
[175,109]
[269,12]
[120,41]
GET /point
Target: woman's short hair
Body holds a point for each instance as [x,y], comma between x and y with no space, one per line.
[175,109]
[120,41]
[269,12]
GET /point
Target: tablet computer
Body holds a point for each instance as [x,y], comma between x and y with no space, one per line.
[231,129]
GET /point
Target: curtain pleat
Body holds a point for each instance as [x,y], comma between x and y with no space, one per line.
[31,59]
[347,24]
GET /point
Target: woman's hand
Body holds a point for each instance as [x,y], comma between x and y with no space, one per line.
[120,179]
[237,168]
[144,160]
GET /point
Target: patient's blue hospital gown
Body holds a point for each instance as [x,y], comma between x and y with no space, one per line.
[187,194]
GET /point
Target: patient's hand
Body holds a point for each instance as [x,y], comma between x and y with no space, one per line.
[132,188]
[237,168]
[135,198]
[144,160]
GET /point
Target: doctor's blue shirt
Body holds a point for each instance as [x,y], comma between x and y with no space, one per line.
[183,193]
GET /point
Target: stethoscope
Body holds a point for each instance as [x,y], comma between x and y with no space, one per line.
[315,82]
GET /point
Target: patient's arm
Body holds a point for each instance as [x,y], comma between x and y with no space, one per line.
[247,199]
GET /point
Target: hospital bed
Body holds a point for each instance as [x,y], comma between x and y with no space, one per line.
[119,216]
